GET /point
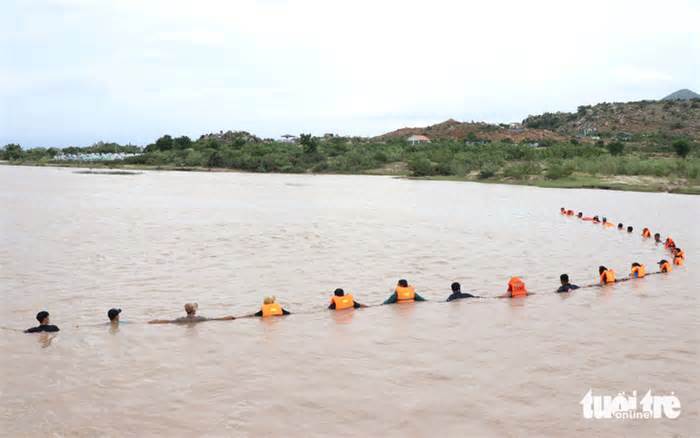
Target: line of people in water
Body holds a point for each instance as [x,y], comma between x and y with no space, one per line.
[406,293]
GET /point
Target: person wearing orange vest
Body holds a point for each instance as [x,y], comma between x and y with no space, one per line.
[516,288]
[678,257]
[562,210]
[638,271]
[341,301]
[607,276]
[665,266]
[669,244]
[606,223]
[404,293]
[569,212]
[679,253]
[270,308]
[646,233]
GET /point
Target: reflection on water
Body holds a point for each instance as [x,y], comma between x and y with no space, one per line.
[78,245]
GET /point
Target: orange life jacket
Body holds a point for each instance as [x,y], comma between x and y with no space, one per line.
[405,294]
[569,212]
[273,309]
[517,287]
[638,271]
[607,276]
[609,224]
[669,243]
[587,218]
[666,267]
[344,302]
[678,261]
[646,233]
[681,254]
[562,211]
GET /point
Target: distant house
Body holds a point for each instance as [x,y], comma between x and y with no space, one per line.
[417,138]
[516,127]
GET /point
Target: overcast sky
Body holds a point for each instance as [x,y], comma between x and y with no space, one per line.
[73,72]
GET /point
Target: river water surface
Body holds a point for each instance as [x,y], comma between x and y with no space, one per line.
[77,244]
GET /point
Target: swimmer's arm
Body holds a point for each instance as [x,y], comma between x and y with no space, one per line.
[420,298]
[222,318]
[284,312]
[331,306]
[391,299]
[160,321]
[357,305]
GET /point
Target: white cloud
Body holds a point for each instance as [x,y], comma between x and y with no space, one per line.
[360,67]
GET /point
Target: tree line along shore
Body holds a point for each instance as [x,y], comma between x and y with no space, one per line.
[644,146]
[673,167]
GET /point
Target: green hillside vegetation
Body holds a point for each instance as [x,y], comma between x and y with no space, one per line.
[637,145]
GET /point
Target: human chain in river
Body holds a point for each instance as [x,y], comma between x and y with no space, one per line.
[405,293]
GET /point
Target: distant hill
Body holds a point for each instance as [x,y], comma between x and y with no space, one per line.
[477,131]
[683,94]
[628,120]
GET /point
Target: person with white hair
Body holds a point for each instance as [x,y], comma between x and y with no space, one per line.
[190,317]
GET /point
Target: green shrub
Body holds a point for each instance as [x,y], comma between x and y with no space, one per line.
[487,171]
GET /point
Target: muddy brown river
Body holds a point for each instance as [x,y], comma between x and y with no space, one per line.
[78,244]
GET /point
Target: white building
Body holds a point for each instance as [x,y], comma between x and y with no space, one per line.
[417,138]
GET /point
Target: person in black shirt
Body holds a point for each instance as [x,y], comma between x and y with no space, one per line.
[44,326]
[565,285]
[457,293]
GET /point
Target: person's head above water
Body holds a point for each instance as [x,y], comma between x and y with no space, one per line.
[339,292]
[636,265]
[43,317]
[580,214]
[191,308]
[456,287]
[562,209]
[619,226]
[564,278]
[269,300]
[657,237]
[605,219]
[113,314]
[630,229]
[602,269]
[403,283]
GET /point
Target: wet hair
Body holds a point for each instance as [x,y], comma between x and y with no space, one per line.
[619,226]
[657,235]
[635,264]
[602,269]
[564,278]
[42,315]
[580,213]
[339,292]
[562,209]
[605,219]
[630,229]
[403,283]
[112,314]
[456,287]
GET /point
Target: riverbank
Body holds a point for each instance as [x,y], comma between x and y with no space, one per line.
[635,183]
